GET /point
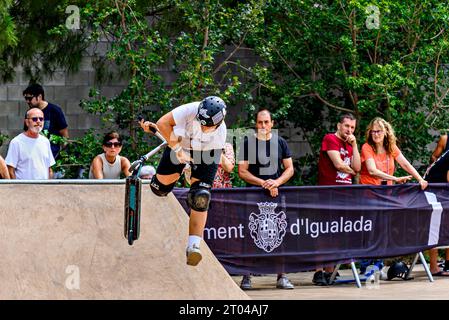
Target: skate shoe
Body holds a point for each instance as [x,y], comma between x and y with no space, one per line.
[193,255]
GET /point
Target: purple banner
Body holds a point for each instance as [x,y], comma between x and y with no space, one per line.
[309,227]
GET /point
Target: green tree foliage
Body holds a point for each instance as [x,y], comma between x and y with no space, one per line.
[314,60]
[322,58]
[39,51]
[7,28]
[183,37]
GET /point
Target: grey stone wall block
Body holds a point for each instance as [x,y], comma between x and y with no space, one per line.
[91,77]
[3,123]
[82,78]
[9,108]
[77,133]
[72,122]
[24,80]
[14,93]
[86,64]
[15,123]
[83,93]
[67,93]
[23,108]
[88,122]
[49,92]
[111,91]
[3,93]
[57,79]
[73,108]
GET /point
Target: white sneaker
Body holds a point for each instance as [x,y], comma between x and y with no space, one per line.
[193,255]
[284,283]
[383,274]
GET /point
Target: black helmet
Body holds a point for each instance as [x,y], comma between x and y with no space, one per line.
[211,111]
[398,269]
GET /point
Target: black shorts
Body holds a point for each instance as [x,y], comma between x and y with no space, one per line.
[204,166]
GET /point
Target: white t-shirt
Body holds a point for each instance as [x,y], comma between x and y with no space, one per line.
[31,157]
[189,129]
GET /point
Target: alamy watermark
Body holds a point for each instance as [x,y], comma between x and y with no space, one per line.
[72,282]
[373,19]
[373,281]
[264,153]
[73,20]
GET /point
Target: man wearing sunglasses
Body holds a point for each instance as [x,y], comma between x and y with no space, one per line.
[109,165]
[29,154]
[55,122]
[196,134]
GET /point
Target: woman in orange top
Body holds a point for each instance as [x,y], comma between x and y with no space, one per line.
[379,154]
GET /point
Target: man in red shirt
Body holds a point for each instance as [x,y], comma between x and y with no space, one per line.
[339,162]
[339,156]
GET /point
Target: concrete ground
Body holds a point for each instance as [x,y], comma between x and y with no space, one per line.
[264,288]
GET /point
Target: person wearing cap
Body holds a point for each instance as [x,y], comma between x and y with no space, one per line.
[147,172]
[196,134]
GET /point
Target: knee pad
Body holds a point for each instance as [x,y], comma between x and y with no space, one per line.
[160,189]
[199,196]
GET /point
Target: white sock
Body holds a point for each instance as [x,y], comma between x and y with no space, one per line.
[194,240]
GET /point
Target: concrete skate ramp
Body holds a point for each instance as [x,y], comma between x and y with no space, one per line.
[61,241]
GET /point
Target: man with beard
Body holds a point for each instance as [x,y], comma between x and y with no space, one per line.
[339,162]
[29,154]
[339,157]
[55,123]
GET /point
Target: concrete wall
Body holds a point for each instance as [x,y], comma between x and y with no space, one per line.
[67,90]
[62,89]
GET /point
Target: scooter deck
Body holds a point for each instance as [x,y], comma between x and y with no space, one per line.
[132,208]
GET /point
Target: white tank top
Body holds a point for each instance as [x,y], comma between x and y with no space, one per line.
[110,170]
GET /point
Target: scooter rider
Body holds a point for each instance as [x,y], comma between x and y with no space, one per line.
[196,134]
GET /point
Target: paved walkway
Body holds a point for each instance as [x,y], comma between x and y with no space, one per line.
[417,289]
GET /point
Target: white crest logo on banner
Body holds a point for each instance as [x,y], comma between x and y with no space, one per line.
[267,228]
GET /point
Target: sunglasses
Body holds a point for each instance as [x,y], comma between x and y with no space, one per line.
[28,98]
[377,131]
[110,144]
[35,119]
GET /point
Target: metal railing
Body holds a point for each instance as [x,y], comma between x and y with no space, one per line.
[71,181]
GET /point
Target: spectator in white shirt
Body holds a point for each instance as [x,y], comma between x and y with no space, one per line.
[29,154]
